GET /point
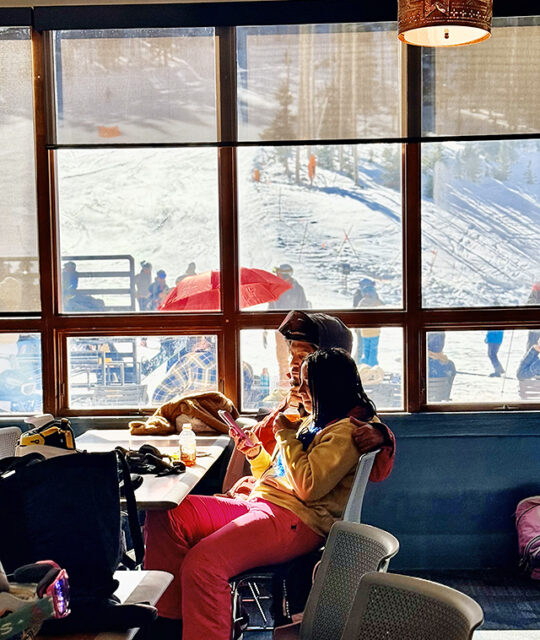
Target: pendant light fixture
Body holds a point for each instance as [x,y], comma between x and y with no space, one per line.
[444,23]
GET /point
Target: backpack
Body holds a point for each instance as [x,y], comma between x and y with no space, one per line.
[67,508]
[528,530]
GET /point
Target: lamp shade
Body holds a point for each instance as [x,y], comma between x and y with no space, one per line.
[444,23]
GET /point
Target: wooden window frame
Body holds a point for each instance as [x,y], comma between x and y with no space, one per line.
[55,327]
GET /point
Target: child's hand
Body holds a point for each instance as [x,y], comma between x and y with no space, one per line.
[250,451]
[282,422]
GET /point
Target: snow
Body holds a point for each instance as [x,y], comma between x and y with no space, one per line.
[480,239]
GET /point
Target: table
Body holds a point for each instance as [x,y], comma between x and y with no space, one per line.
[135,586]
[169,491]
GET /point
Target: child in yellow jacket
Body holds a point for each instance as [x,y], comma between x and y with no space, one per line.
[301,489]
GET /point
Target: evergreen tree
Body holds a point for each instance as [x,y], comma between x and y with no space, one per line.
[391,174]
[430,156]
[470,164]
[529,175]
[504,160]
[282,126]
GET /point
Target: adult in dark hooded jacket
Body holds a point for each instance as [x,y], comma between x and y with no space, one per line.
[305,333]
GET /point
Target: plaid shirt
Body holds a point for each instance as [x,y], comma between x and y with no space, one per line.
[195,372]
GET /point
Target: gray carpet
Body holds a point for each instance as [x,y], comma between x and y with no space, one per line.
[509,600]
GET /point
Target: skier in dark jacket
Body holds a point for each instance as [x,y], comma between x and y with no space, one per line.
[294,298]
[529,367]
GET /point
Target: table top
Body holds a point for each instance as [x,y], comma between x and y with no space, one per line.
[169,491]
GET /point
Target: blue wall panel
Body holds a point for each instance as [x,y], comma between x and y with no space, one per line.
[451,498]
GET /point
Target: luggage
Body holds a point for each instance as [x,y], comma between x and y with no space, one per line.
[528,530]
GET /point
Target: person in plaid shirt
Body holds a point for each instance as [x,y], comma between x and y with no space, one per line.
[196,371]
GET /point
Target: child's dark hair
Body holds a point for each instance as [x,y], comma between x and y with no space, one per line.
[335,386]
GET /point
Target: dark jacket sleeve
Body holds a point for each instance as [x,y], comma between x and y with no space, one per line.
[384,462]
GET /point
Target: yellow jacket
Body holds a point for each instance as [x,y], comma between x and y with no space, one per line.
[317,482]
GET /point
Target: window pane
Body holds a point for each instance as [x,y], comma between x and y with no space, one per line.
[318,81]
[480,223]
[133,371]
[135,85]
[21,386]
[378,351]
[120,208]
[379,354]
[483,366]
[19,274]
[329,217]
[487,89]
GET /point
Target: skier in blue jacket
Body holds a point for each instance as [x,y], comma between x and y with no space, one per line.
[494,340]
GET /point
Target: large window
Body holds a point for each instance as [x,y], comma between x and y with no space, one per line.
[186,186]
[19,276]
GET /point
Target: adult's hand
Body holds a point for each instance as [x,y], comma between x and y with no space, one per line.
[250,450]
[367,438]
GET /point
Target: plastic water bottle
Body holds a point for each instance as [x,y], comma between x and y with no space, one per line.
[188,446]
[265,382]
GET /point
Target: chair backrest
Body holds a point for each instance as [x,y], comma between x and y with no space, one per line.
[351,551]
[397,607]
[9,437]
[353,510]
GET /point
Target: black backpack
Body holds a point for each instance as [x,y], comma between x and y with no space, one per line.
[67,509]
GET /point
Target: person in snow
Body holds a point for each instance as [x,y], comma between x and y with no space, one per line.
[142,282]
[190,271]
[529,367]
[533,299]
[158,290]
[366,296]
[494,340]
[439,366]
[294,298]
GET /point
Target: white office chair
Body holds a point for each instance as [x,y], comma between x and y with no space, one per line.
[353,510]
[397,607]
[9,437]
[352,550]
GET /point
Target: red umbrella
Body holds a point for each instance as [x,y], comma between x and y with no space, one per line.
[201,292]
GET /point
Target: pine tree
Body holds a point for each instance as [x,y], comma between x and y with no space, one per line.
[503,168]
[529,175]
[470,163]
[282,126]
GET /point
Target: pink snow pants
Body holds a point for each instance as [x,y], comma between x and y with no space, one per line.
[208,539]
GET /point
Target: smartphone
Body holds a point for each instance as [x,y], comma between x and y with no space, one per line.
[228,419]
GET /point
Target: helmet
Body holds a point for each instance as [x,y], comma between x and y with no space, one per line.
[284,268]
[161,274]
[366,282]
[45,439]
